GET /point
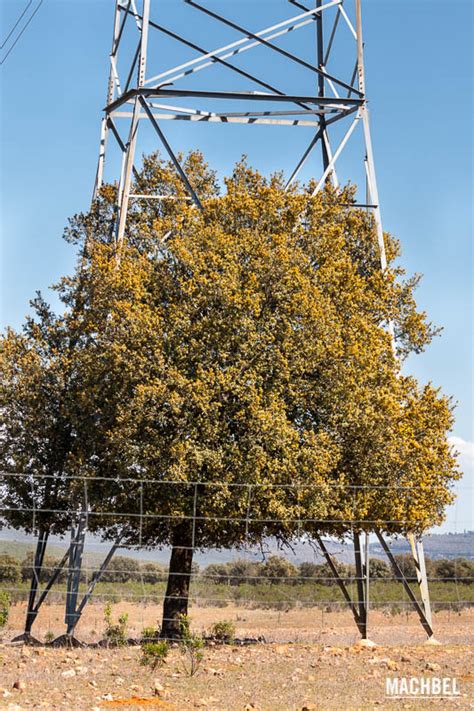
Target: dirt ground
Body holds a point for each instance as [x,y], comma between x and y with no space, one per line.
[322,668]
[303,624]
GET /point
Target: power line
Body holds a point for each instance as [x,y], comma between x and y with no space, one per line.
[22,31]
[15,25]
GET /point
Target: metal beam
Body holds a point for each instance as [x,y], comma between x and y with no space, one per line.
[312,144]
[399,575]
[338,152]
[124,187]
[110,97]
[35,581]
[360,585]
[421,576]
[243,45]
[233,95]
[51,581]
[303,159]
[98,575]
[214,57]
[340,582]
[171,154]
[320,61]
[76,550]
[268,44]
[331,37]
[200,118]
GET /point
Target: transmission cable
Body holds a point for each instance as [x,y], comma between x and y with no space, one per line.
[15,25]
[22,31]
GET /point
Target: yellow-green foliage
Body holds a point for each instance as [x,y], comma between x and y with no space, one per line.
[247,344]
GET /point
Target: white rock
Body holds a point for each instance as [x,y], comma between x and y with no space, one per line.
[432,642]
[366,643]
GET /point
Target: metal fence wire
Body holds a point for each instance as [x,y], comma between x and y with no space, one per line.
[99,541]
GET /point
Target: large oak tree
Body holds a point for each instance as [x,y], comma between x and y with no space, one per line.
[236,379]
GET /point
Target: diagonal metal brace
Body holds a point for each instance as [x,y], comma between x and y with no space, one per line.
[215,58]
[94,580]
[51,581]
[340,582]
[400,576]
[171,154]
[271,45]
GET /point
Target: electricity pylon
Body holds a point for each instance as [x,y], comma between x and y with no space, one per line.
[336,99]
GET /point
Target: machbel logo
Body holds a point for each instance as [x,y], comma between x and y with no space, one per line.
[422,687]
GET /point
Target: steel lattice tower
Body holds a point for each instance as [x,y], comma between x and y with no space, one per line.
[336,99]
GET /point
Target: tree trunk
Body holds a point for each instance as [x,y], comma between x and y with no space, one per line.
[179,577]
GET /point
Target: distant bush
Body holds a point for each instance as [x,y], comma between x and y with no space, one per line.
[460,570]
[217,573]
[47,568]
[277,568]
[243,570]
[379,569]
[321,572]
[236,572]
[10,571]
[308,570]
[407,565]
[152,573]
[121,570]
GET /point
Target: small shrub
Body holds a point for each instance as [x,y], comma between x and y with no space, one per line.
[190,646]
[149,634]
[49,636]
[224,630]
[4,608]
[154,654]
[115,633]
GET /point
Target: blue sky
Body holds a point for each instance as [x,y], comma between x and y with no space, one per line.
[419,81]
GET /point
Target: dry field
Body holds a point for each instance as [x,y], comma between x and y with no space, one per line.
[322,667]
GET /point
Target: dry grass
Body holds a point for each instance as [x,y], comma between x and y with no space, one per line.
[305,624]
[329,673]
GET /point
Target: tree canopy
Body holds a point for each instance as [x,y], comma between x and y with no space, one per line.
[227,375]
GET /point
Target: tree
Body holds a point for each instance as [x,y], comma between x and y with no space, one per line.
[308,570]
[251,347]
[235,378]
[218,573]
[37,438]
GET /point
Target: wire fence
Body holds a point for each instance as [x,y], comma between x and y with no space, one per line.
[260,554]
